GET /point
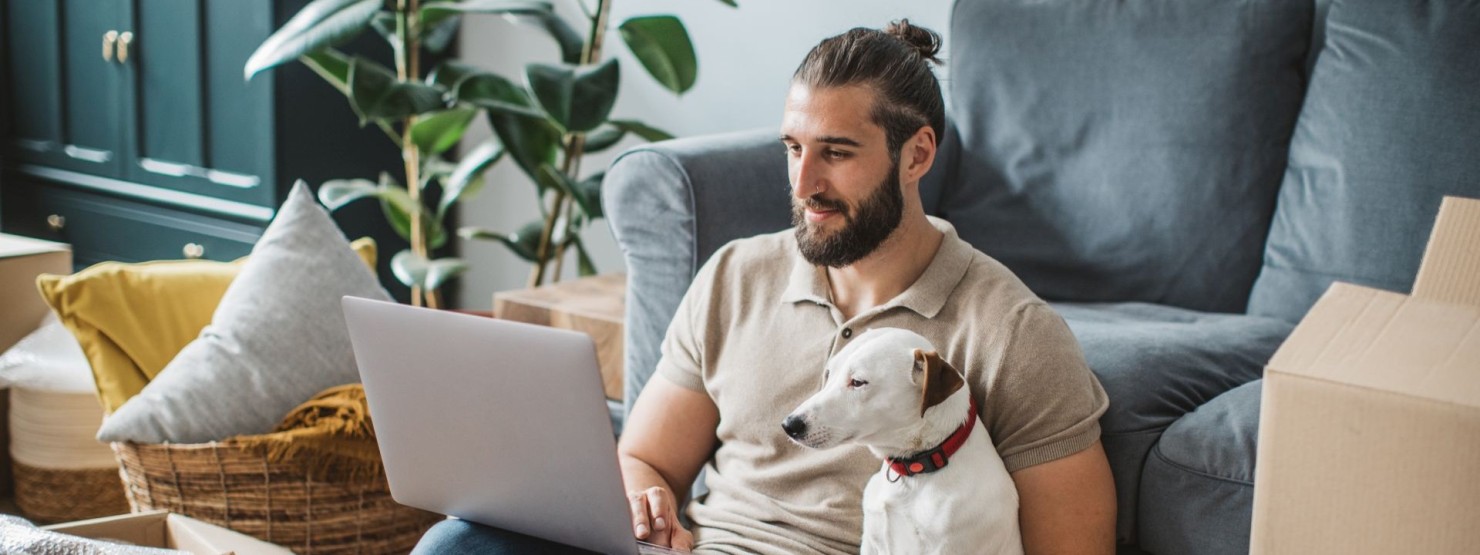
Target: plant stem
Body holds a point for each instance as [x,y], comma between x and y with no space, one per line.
[575,146]
[408,69]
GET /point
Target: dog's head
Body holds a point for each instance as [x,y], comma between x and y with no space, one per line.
[875,391]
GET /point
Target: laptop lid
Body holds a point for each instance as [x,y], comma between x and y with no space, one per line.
[492,421]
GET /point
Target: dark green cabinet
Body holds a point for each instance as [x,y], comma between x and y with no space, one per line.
[130,132]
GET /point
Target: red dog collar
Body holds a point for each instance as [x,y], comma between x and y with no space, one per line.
[938,457]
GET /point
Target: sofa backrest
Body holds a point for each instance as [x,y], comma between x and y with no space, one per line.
[1125,151]
[1391,125]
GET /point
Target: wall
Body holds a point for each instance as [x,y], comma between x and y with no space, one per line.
[746,57]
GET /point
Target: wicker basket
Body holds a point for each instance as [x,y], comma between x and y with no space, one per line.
[332,511]
[49,495]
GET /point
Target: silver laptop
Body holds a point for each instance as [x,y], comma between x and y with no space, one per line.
[495,422]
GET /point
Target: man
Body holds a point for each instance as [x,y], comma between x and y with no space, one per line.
[750,339]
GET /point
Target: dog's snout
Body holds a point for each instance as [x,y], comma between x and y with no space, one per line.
[795,426]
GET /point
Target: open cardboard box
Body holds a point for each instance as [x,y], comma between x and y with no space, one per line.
[162,529]
[1369,430]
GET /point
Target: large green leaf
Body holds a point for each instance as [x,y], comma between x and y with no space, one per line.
[467,178]
[376,94]
[572,44]
[384,24]
[603,138]
[586,193]
[586,267]
[438,132]
[494,92]
[590,189]
[447,74]
[531,141]
[321,23]
[339,192]
[577,98]
[330,64]
[647,132]
[433,13]
[415,270]
[436,38]
[662,44]
[397,205]
[524,243]
[730,3]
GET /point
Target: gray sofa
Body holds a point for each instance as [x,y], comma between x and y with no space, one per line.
[1182,179]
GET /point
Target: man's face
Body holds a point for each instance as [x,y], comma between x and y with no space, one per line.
[846,197]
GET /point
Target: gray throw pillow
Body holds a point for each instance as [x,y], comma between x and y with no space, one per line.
[1125,151]
[1391,125]
[277,338]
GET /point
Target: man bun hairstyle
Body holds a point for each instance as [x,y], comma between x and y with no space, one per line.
[893,62]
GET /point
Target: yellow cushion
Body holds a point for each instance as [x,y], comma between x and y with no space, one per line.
[132,319]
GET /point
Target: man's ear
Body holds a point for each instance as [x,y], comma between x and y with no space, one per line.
[936,378]
[918,154]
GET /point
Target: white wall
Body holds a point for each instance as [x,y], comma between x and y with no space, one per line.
[746,57]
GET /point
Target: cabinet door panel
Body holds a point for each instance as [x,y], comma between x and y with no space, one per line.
[102,227]
[92,113]
[199,125]
[63,96]
[33,50]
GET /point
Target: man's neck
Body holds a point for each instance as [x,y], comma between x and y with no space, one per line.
[889,270]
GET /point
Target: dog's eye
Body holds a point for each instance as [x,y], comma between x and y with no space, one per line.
[856,383]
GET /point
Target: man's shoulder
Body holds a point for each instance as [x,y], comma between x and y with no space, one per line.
[989,286]
[759,253]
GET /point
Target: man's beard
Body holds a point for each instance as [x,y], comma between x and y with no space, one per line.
[863,230]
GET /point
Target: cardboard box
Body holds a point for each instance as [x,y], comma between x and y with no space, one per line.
[21,260]
[1369,431]
[162,529]
[21,310]
[595,306]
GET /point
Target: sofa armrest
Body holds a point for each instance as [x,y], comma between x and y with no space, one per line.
[670,206]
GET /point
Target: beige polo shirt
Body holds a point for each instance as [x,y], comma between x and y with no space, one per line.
[754,332]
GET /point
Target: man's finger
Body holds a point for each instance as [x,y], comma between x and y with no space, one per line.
[639,515]
[658,505]
[661,519]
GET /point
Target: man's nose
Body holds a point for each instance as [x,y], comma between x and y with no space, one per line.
[795,426]
[806,180]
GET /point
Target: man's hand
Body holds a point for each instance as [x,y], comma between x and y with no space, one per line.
[668,436]
[655,519]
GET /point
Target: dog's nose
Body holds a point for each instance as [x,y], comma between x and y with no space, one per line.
[795,426]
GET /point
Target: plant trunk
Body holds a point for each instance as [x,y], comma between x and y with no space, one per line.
[408,62]
[574,151]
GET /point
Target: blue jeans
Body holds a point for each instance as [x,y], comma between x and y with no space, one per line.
[461,536]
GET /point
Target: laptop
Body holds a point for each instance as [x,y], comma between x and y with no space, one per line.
[492,421]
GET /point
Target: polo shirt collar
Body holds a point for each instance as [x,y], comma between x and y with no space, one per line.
[926,296]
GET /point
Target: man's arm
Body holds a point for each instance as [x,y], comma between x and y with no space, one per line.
[1068,505]
[667,439]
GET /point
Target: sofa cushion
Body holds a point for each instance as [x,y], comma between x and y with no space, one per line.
[1158,363]
[1125,151]
[277,338]
[1390,126]
[1197,491]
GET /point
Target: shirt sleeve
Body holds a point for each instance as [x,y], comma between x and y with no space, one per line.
[1044,403]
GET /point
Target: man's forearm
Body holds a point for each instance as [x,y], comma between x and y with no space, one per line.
[638,475]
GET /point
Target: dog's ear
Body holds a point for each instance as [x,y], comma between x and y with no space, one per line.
[936,378]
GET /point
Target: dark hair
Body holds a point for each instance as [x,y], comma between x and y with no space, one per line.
[895,63]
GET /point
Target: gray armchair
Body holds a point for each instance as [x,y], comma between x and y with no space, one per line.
[1181,180]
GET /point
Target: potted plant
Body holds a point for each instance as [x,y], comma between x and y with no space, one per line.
[546,122]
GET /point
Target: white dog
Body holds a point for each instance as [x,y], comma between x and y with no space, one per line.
[943,488]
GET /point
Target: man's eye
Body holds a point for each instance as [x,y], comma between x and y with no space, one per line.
[856,383]
[794,150]
[837,154]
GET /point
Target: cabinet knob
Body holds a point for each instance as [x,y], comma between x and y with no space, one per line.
[110,38]
[124,40]
[56,223]
[194,250]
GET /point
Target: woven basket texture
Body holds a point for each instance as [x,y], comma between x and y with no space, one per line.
[48,495]
[318,510]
